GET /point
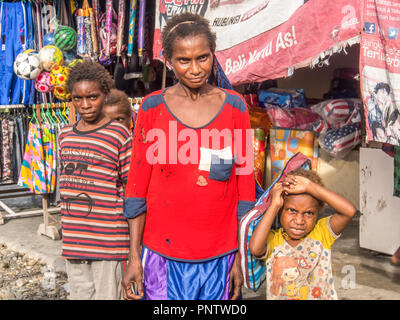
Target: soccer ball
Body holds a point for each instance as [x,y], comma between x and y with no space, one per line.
[62,93]
[27,65]
[42,82]
[50,56]
[59,75]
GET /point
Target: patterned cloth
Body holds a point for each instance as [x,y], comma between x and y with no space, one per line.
[93,164]
[32,173]
[285,143]
[303,272]
[7,127]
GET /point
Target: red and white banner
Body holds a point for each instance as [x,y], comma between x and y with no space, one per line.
[380,69]
[267,39]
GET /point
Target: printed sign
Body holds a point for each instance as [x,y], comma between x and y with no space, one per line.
[380,70]
[267,39]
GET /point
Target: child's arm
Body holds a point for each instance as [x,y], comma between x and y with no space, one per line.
[258,241]
[344,209]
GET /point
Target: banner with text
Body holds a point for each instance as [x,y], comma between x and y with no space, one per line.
[267,39]
[380,70]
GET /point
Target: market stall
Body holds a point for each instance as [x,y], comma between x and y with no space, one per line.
[41,41]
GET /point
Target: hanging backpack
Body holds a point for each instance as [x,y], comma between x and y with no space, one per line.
[253,268]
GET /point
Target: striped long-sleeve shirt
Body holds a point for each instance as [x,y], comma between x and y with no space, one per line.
[94,169]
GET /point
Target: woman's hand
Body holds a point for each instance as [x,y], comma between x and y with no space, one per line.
[133,277]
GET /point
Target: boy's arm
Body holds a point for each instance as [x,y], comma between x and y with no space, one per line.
[344,209]
[258,240]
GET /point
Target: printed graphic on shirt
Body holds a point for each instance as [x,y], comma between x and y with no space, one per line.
[303,272]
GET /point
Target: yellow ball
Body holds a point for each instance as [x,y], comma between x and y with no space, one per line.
[62,93]
[50,56]
[59,76]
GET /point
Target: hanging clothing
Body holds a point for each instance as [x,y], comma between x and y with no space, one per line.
[15,37]
[32,173]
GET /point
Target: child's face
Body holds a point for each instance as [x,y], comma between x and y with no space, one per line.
[117,113]
[299,214]
[88,99]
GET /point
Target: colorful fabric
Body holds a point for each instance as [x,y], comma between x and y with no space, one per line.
[49,149]
[214,189]
[282,98]
[254,269]
[7,129]
[285,143]
[166,279]
[32,173]
[294,118]
[93,163]
[303,272]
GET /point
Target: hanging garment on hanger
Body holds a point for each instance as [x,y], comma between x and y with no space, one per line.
[32,173]
[7,128]
[15,37]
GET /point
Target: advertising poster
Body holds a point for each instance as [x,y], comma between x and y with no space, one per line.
[268,39]
[380,70]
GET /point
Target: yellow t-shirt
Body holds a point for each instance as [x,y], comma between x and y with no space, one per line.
[303,272]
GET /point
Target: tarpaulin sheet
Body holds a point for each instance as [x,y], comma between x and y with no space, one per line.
[380,69]
[267,39]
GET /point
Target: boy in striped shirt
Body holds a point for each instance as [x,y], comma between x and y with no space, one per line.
[94,160]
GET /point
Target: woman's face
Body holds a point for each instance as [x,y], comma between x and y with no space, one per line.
[192,61]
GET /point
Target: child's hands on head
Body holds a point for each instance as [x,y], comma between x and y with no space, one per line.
[296,184]
[277,195]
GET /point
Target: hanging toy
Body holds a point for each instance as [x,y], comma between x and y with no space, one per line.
[27,65]
[42,82]
[142,12]
[69,56]
[80,25]
[65,38]
[73,63]
[62,93]
[50,56]
[58,76]
[88,28]
[109,9]
[48,39]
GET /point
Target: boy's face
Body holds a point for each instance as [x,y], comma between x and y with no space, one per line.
[88,99]
[299,215]
[117,113]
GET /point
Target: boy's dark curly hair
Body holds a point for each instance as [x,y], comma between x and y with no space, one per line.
[312,176]
[90,71]
[182,26]
[118,98]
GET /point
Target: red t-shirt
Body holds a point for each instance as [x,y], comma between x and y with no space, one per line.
[192,182]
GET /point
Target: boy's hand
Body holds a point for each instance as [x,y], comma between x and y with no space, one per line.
[277,196]
[296,185]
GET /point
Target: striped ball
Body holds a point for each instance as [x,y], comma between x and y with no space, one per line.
[65,38]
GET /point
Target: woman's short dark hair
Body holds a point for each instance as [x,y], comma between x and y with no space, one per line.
[90,71]
[185,25]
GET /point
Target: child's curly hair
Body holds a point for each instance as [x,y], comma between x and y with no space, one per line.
[90,71]
[182,26]
[310,175]
[119,98]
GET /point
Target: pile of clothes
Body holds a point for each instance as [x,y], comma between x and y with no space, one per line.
[337,121]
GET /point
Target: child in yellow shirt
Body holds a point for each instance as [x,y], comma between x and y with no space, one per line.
[298,255]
